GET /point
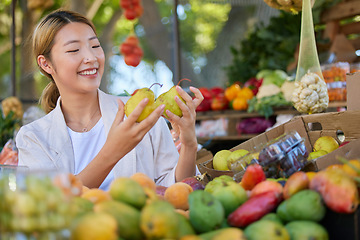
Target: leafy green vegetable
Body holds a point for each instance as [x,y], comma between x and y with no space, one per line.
[264,106]
[8,125]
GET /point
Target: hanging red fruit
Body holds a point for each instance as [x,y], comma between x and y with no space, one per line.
[131,51]
[132,8]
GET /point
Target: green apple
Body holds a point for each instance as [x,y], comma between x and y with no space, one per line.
[235,155]
[326,143]
[231,195]
[220,160]
[316,154]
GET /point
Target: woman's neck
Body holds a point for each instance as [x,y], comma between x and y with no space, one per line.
[81,113]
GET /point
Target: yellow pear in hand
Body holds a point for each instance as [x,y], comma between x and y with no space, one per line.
[136,99]
[168,98]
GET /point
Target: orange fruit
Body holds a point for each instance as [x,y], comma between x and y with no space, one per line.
[349,170]
[335,166]
[177,194]
[144,180]
[96,195]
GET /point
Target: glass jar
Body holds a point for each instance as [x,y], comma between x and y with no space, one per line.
[33,204]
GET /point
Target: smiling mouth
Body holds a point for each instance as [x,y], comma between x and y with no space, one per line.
[88,72]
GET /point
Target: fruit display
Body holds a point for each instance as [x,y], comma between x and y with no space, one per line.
[222,209]
[335,77]
[34,204]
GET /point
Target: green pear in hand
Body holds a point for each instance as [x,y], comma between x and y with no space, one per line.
[136,99]
[168,98]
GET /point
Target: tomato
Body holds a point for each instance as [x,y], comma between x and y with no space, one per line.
[130,14]
[206,93]
[125,3]
[132,60]
[204,106]
[126,48]
[219,103]
[216,90]
[139,10]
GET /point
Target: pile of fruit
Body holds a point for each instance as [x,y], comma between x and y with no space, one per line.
[136,208]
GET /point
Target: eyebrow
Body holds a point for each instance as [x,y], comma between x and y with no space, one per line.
[76,41]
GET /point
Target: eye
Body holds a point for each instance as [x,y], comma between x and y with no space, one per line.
[72,51]
[96,46]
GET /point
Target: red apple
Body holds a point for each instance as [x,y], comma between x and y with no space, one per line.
[206,93]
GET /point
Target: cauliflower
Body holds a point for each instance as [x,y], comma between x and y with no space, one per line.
[287,89]
[310,94]
[267,90]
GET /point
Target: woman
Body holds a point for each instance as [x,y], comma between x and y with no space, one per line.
[85,131]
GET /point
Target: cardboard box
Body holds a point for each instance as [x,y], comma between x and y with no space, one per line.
[343,126]
[352,87]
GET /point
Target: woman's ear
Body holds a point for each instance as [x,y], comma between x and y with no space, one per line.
[43,63]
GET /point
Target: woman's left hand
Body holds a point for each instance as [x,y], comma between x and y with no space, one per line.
[185,126]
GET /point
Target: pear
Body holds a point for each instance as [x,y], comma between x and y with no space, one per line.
[326,143]
[136,98]
[168,98]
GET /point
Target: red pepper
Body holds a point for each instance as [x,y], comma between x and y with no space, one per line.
[254,209]
[252,176]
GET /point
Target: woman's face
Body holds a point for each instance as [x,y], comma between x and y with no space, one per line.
[77,59]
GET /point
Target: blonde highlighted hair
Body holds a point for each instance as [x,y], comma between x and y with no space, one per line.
[43,41]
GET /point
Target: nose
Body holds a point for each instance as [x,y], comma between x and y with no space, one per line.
[89,57]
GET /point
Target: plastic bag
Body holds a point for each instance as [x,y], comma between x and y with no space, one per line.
[9,154]
[310,94]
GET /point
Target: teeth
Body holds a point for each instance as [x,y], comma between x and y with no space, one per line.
[91,72]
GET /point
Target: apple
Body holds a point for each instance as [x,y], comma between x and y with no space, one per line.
[194,183]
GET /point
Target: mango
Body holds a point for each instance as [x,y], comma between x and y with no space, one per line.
[266,229]
[337,189]
[217,182]
[129,191]
[295,183]
[304,205]
[206,213]
[229,233]
[185,227]
[272,217]
[127,218]
[266,186]
[158,220]
[231,195]
[81,206]
[300,230]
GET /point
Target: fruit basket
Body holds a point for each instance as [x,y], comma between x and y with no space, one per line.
[33,204]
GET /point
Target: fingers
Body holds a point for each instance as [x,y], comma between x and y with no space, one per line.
[120,113]
[150,121]
[198,96]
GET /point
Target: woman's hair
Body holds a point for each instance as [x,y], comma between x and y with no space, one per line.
[43,41]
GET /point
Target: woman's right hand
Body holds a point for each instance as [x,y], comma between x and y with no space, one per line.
[124,135]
